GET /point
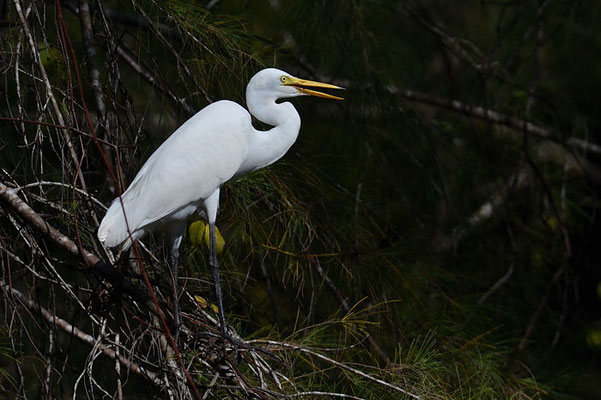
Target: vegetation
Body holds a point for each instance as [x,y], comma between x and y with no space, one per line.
[433,236]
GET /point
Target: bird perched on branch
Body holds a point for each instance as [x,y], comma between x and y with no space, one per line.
[186,172]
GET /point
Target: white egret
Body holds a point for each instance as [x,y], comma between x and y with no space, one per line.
[186,172]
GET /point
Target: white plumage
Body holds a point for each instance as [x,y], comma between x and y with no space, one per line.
[187,170]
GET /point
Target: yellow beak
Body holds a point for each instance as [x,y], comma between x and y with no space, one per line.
[302,84]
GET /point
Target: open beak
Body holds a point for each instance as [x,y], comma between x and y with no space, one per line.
[301,85]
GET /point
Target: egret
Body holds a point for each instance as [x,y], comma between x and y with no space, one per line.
[187,171]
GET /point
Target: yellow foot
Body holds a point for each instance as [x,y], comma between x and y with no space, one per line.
[199,235]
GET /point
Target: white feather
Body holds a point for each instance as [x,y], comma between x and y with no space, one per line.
[186,169]
[217,143]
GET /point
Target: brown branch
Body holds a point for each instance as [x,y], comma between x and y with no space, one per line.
[97,265]
[336,363]
[33,219]
[519,180]
[180,62]
[128,19]
[88,118]
[55,107]
[142,70]
[499,119]
[89,43]
[155,82]
[47,124]
[94,76]
[91,260]
[460,47]
[81,335]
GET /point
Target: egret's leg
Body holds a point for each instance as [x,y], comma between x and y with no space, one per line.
[177,241]
[216,279]
[211,205]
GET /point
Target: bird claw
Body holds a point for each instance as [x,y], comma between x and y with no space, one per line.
[230,344]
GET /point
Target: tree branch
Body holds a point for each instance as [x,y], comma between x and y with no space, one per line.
[55,107]
[81,335]
[498,118]
[143,71]
[336,363]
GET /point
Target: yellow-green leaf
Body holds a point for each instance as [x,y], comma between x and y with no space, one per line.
[198,232]
[201,301]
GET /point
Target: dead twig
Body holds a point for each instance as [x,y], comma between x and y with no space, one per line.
[94,262]
[55,107]
[81,335]
[283,345]
[499,119]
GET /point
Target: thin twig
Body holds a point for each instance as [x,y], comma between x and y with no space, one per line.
[81,335]
[334,289]
[180,63]
[89,43]
[498,118]
[36,56]
[336,363]
[93,261]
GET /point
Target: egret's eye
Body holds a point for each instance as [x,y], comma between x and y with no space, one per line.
[283,79]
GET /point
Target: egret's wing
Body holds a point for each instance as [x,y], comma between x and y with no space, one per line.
[190,165]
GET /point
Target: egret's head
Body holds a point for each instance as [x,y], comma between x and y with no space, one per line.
[280,84]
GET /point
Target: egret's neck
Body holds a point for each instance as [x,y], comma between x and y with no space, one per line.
[266,147]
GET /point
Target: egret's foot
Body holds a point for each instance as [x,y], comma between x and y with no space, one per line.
[237,344]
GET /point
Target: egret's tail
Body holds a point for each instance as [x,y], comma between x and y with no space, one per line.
[112,231]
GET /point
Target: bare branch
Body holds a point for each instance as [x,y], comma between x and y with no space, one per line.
[144,71]
[498,118]
[80,335]
[89,42]
[36,56]
[336,363]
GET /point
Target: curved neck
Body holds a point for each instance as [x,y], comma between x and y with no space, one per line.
[266,147]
